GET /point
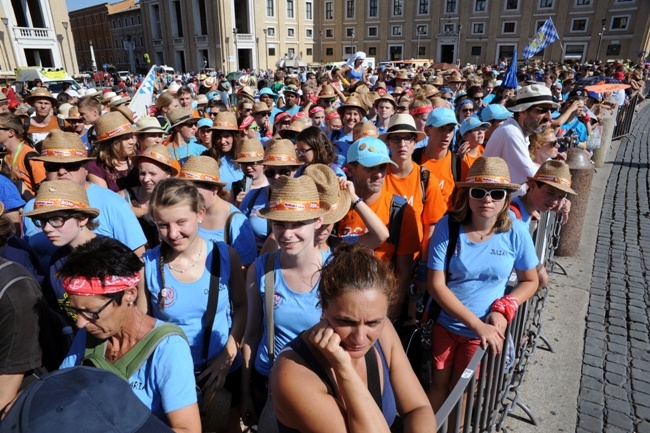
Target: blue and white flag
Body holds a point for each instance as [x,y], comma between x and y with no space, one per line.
[510,80]
[143,98]
[542,39]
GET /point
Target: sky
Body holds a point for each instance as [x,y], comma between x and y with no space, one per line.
[73,5]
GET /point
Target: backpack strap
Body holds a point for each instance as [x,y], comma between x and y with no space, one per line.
[424,182]
[269,294]
[395,218]
[14,280]
[251,203]
[514,207]
[455,166]
[28,164]
[213,299]
[61,123]
[226,228]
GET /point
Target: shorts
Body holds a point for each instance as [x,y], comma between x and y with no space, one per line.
[449,349]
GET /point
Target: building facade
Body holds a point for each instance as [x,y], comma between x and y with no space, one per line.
[127,36]
[480,31]
[36,33]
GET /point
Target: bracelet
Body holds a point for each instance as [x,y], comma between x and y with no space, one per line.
[356,202]
[507,306]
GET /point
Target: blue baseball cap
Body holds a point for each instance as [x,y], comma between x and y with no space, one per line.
[205,122]
[213,94]
[441,116]
[495,112]
[472,123]
[369,152]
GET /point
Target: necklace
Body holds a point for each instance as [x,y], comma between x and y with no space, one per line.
[192,266]
[489,232]
[114,353]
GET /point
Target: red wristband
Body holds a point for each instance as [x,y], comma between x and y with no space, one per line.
[507,306]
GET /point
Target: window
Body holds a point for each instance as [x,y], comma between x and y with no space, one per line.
[372,8]
[372,51]
[329,33]
[271,51]
[291,52]
[349,50]
[289,8]
[478,28]
[512,5]
[422,51]
[450,6]
[329,10]
[310,52]
[422,30]
[271,31]
[329,51]
[423,7]
[613,50]
[505,51]
[448,28]
[620,23]
[291,32]
[395,52]
[479,6]
[579,25]
[574,51]
[583,2]
[372,32]
[509,27]
[398,9]
[538,25]
[309,33]
[349,32]
[396,31]
[309,12]
[270,8]
[476,51]
[349,9]
[545,4]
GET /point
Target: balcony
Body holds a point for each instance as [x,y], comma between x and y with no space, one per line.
[178,41]
[245,37]
[157,42]
[203,38]
[31,33]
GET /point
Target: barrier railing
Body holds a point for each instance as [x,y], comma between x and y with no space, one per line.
[624,118]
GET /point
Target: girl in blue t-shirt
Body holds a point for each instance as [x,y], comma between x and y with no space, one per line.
[470,288]
[178,281]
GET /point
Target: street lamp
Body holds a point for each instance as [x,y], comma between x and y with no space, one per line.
[234,35]
[321,47]
[67,35]
[59,38]
[460,29]
[352,43]
[266,47]
[600,41]
[420,31]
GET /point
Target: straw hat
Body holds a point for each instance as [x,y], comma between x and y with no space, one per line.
[280,152]
[60,146]
[107,96]
[111,125]
[41,93]
[364,129]
[402,123]
[63,109]
[430,90]
[201,169]
[247,92]
[92,92]
[261,107]
[556,174]
[73,113]
[126,112]
[251,150]
[386,97]
[294,199]
[158,153]
[489,172]
[201,99]
[180,115]
[292,89]
[118,100]
[58,195]
[535,94]
[225,121]
[455,77]
[327,92]
[148,125]
[330,192]
[352,102]
[438,81]
[210,81]
[293,129]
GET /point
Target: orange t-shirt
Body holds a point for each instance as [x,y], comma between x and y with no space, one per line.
[441,168]
[19,170]
[409,187]
[38,133]
[408,242]
[468,161]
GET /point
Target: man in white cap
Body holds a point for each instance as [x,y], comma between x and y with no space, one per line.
[532,115]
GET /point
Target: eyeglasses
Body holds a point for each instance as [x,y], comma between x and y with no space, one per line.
[397,139]
[253,127]
[67,166]
[246,110]
[478,98]
[495,194]
[272,172]
[554,143]
[54,222]
[251,163]
[87,314]
[302,152]
[542,110]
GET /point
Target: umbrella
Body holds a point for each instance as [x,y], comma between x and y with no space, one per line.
[603,87]
[443,66]
[596,79]
[233,76]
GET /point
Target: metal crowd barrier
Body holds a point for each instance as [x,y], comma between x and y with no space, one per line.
[624,118]
[491,382]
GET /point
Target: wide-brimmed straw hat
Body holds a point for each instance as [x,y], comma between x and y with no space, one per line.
[225,121]
[402,123]
[126,112]
[201,169]
[364,129]
[489,172]
[330,192]
[352,102]
[292,130]
[251,150]
[201,99]
[294,199]
[111,125]
[62,147]
[280,152]
[534,94]
[158,153]
[61,195]
[556,174]
[385,97]
[41,93]
[107,96]
[430,90]
[261,107]
[73,113]
[148,125]
[118,100]
[402,75]
[178,116]
[327,92]
[455,77]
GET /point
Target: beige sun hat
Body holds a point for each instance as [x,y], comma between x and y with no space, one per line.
[327,92]
[261,107]
[148,125]
[364,129]
[402,123]
[41,93]
[438,81]
[201,99]
[111,125]
[106,97]
[201,169]
[118,100]
[158,153]
[72,114]
[294,199]
[534,94]
[385,97]
[225,121]
[280,152]
[292,130]
[430,90]
[352,102]
[63,110]
[330,192]
[489,172]
[251,150]
[556,174]
[62,147]
[61,195]
[178,116]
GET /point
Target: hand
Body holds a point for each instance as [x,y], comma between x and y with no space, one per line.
[240,197]
[346,184]
[463,149]
[561,156]
[247,410]
[563,209]
[214,375]
[498,320]
[328,343]
[490,334]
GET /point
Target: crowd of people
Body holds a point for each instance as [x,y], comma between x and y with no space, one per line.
[251,252]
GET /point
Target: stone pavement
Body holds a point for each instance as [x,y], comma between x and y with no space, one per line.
[614,391]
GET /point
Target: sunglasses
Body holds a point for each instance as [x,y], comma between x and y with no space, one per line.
[250,163]
[246,110]
[397,139]
[67,166]
[554,143]
[467,110]
[190,124]
[542,110]
[478,98]
[253,127]
[271,172]
[495,194]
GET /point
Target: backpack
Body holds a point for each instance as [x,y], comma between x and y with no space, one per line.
[395,218]
[27,122]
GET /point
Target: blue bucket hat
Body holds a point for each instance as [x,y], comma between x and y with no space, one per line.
[441,116]
[369,152]
[495,112]
[472,123]
[267,91]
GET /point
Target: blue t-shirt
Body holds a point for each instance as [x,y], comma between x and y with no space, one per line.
[116,220]
[185,303]
[574,127]
[181,154]
[292,312]
[479,272]
[275,111]
[241,236]
[164,383]
[9,195]
[342,143]
[525,216]
[229,172]
[254,201]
